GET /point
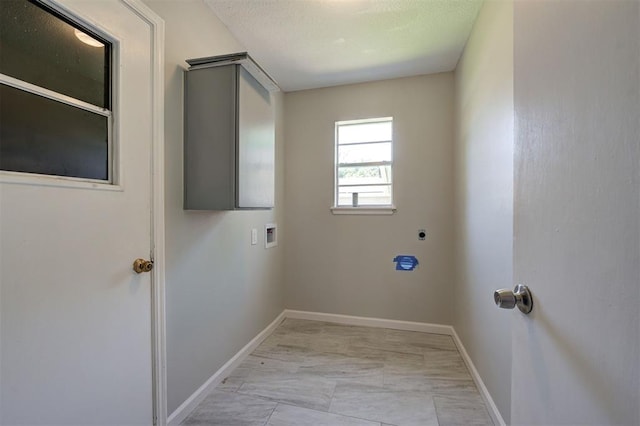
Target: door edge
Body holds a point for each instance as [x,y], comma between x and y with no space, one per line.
[158,306]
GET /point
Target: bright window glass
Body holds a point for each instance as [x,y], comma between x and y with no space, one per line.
[364,162]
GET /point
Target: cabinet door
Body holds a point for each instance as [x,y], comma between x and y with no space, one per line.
[209,139]
[256,144]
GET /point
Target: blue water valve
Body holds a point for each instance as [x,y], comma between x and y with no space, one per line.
[405,262]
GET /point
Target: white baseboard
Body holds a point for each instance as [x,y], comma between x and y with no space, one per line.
[187,407]
[370,322]
[484,392]
[196,398]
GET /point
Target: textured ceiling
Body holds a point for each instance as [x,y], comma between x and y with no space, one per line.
[307,44]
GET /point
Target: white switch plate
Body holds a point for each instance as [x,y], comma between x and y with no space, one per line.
[254,236]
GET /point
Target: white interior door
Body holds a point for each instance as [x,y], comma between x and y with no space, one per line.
[576,357]
[75,319]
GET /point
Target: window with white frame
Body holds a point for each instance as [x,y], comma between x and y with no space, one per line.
[364,163]
[56,106]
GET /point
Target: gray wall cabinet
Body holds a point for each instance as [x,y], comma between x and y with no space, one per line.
[229,144]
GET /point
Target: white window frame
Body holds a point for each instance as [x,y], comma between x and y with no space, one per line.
[113,181]
[384,209]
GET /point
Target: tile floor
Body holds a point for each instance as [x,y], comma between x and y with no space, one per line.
[324,374]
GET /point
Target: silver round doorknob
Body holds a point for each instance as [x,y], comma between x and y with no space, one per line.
[504,298]
[520,297]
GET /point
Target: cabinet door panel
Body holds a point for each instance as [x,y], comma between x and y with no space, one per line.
[256,144]
[210,132]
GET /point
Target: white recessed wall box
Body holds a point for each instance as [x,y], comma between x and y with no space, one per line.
[270,235]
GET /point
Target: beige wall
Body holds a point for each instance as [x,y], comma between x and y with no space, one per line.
[484,196]
[221,291]
[343,264]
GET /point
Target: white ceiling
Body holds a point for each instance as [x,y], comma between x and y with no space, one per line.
[307,44]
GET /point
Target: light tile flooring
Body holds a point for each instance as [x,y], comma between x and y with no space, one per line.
[324,374]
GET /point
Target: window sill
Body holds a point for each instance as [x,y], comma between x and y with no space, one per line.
[56,181]
[387,210]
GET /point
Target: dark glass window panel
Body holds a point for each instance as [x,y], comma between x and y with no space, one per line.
[40,135]
[41,48]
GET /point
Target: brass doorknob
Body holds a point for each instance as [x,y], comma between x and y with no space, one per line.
[141,265]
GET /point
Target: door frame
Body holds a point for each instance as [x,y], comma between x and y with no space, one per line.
[158,306]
